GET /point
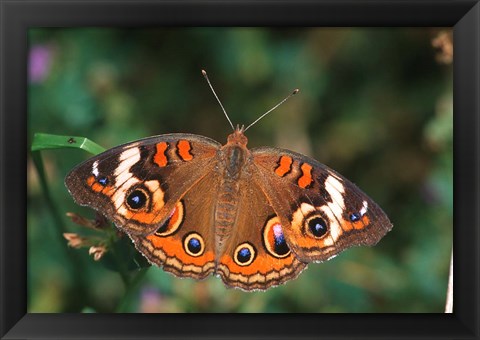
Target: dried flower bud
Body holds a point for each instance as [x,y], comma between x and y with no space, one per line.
[97,252]
[74,240]
[443,42]
[80,220]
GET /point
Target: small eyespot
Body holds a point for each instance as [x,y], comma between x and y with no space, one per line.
[354,217]
[193,244]
[317,226]
[102,180]
[137,199]
[244,254]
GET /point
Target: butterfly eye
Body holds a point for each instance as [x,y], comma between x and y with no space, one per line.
[244,254]
[193,244]
[317,226]
[137,199]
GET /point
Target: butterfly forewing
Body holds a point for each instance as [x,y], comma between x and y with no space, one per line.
[132,184]
[323,212]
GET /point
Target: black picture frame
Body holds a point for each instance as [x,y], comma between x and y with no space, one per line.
[16,17]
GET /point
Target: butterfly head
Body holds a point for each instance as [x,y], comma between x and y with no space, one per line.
[238,137]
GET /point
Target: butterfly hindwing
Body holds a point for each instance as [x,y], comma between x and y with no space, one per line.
[184,244]
[255,255]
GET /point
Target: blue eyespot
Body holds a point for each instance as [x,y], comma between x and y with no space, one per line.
[194,245]
[137,199]
[318,226]
[280,245]
[102,180]
[244,255]
[355,217]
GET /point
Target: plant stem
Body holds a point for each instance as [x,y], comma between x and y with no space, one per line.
[76,266]
[130,288]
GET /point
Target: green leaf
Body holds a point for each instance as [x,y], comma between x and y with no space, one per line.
[44,141]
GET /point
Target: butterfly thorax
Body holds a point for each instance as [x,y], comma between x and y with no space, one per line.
[233,157]
[234,154]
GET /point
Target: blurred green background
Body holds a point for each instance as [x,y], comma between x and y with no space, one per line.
[374,104]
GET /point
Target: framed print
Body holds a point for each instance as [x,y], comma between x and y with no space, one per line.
[248,169]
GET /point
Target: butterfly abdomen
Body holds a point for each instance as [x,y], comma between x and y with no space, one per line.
[233,157]
[225,212]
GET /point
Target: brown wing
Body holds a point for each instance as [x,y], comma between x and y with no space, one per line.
[184,243]
[322,212]
[137,185]
[256,256]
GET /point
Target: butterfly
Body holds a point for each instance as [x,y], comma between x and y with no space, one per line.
[254,217]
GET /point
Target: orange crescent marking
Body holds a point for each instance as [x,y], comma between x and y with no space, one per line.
[262,264]
[143,217]
[107,190]
[174,247]
[309,242]
[270,236]
[306,178]
[91,181]
[174,221]
[160,158]
[174,218]
[360,224]
[285,166]
[184,148]
[346,225]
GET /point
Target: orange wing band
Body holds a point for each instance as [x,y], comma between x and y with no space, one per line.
[160,158]
[306,179]
[284,166]
[184,148]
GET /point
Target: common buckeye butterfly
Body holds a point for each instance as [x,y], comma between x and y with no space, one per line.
[255,217]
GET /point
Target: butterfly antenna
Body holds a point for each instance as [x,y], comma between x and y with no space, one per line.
[211,87]
[273,108]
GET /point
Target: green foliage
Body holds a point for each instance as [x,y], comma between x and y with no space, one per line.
[44,141]
[374,104]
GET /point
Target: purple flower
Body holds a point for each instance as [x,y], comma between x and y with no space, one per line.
[39,62]
[151,300]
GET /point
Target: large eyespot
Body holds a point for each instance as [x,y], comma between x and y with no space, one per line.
[173,222]
[274,240]
[244,254]
[193,244]
[317,225]
[138,199]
